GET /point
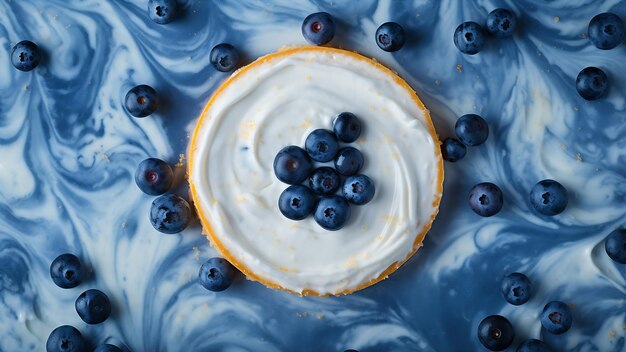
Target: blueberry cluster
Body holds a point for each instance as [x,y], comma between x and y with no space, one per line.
[93,306]
[470,37]
[471,130]
[169,213]
[319,29]
[496,333]
[294,165]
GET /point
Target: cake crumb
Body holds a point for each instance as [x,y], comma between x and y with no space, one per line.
[579,157]
[320,316]
[557,19]
[196,252]
[302,315]
[307,77]
[459,68]
[612,334]
[181,160]
[437,82]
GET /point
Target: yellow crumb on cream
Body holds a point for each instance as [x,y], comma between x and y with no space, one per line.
[612,334]
[320,316]
[387,138]
[307,77]
[395,156]
[350,263]
[306,123]
[286,270]
[240,200]
[246,128]
[459,68]
[181,160]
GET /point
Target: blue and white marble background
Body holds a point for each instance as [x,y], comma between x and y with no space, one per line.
[68,152]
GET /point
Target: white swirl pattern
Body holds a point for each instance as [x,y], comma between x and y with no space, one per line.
[69,152]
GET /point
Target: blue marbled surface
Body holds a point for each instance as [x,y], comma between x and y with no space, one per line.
[68,152]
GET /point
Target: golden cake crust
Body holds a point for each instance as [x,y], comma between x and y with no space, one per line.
[283,52]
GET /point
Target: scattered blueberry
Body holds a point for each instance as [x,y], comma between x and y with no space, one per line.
[469,38]
[216,274]
[66,271]
[556,317]
[324,180]
[390,36]
[93,306]
[501,23]
[154,176]
[548,197]
[170,214]
[141,101]
[452,150]
[533,345]
[592,83]
[65,338]
[25,55]
[162,11]
[318,28]
[347,127]
[496,333]
[606,30]
[292,165]
[348,161]
[615,245]
[224,57]
[358,189]
[516,288]
[105,347]
[296,202]
[471,129]
[321,145]
[332,212]
[486,199]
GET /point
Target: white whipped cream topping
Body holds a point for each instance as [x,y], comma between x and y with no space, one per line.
[278,103]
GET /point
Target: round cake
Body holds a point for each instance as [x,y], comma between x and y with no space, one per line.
[276,101]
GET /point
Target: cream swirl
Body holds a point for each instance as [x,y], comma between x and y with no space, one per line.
[277,101]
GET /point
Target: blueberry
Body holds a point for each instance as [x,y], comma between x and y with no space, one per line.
[606,31]
[154,176]
[25,55]
[93,306]
[105,347]
[292,165]
[321,145]
[486,199]
[496,333]
[533,345]
[347,127]
[469,38]
[296,202]
[162,11]
[141,101]
[501,23]
[453,150]
[471,129]
[548,197]
[348,161]
[516,288]
[67,271]
[216,274]
[332,212]
[318,28]
[358,189]
[324,180]
[224,57]
[592,83]
[65,338]
[170,214]
[556,317]
[390,36]
[615,245]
